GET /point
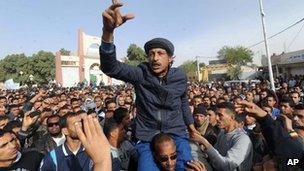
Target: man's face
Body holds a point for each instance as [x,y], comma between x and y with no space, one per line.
[197,101]
[270,101]
[3,123]
[295,98]
[75,103]
[166,155]
[15,111]
[199,119]
[111,107]
[212,116]
[98,102]
[249,96]
[70,130]
[63,97]
[286,109]
[206,102]
[263,94]
[37,104]
[8,147]
[126,121]
[249,120]
[53,126]
[3,102]
[224,120]
[121,101]
[298,118]
[159,61]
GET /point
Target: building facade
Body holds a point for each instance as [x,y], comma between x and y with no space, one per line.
[83,67]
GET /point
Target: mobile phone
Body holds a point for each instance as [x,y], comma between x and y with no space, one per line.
[34,113]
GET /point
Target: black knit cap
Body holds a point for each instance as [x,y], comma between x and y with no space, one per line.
[159,43]
[200,109]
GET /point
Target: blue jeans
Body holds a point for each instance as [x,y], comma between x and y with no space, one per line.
[146,161]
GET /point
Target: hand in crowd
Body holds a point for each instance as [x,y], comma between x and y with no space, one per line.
[28,121]
[95,142]
[245,106]
[287,122]
[195,165]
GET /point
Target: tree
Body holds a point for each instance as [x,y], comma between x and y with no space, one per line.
[234,72]
[190,66]
[43,67]
[135,55]
[19,67]
[235,55]
[64,52]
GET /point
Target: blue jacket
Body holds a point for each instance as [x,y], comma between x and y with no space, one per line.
[162,105]
[66,160]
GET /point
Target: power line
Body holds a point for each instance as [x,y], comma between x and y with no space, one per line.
[295,36]
[277,33]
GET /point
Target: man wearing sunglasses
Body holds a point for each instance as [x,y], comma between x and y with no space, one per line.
[53,138]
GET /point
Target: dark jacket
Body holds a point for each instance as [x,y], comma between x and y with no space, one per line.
[162,105]
[280,142]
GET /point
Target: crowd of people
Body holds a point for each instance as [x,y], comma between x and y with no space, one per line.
[156,121]
[241,127]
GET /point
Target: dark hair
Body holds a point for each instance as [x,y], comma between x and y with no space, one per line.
[63,120]
[73,100]
[11,125]
[3,117]
[239,118]
[228,106]
[13,106]
[109,126]
[299,107]
[119,114]
[294,92]
[91,111]
[110,101]
[197,96]
[52,116]
[287,99]
[160,138]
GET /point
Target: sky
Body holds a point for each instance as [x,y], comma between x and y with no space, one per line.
[196,27]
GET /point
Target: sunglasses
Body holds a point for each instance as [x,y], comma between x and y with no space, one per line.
[52,124]
[166,158]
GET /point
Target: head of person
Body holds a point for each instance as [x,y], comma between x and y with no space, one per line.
[129,99]
[160,55]
[164,151]
[68,125]
[120,101]
[295,96]
[213,100]
[3,121]
[249,96]
[3,101]
[111,104]
[197,100]
[122,116]
[13,126]
[113,131]
[98,101]
[9,145]
[206,101]
[271,101]
[298,116]
[53,125]
[200,115]
[225,116]
[263,94]
[15,110]
[75,102]
[212,117]
[287,105]
[249,120]
[240,120]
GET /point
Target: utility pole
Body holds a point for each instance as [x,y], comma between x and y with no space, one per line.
[197,69]
[266,46]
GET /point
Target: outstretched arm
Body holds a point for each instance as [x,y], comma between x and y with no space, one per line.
[108,62]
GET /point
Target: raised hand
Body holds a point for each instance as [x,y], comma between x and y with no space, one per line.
[245,106]
[112,17]
[95,143]
[195,165]
[28,121]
